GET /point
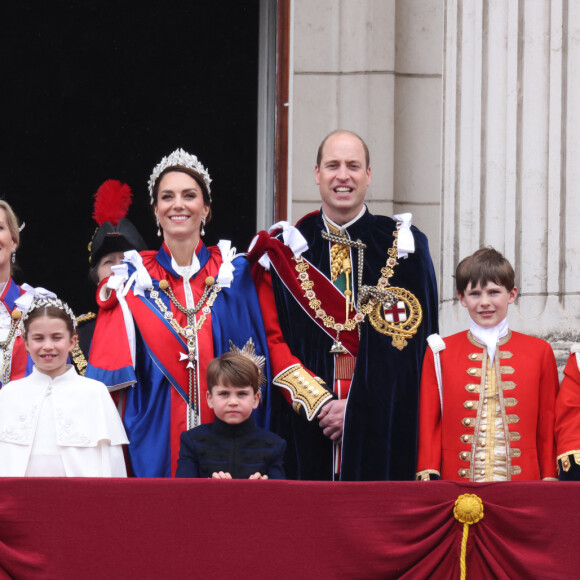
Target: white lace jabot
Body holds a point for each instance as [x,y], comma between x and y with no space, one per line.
[490,336]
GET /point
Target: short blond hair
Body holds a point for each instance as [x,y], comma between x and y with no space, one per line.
[11,221]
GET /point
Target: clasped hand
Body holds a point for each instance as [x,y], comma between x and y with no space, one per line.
[226,475]
[331,418]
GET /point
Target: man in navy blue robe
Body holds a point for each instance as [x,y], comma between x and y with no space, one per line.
[356,298]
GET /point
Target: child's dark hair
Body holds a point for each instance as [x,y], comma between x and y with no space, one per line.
[485,265]
[52,312]
[233,370]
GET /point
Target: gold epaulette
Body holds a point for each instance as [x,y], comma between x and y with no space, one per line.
[308,392]
[86,317]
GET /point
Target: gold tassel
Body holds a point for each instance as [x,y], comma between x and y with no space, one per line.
[468,510]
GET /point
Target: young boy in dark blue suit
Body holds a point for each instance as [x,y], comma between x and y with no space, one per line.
[231,447]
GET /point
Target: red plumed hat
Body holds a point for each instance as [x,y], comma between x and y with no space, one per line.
[115,232]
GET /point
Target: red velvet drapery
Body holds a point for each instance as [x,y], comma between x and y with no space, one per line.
[147,528]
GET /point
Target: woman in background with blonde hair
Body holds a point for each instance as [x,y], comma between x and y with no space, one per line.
[13,355]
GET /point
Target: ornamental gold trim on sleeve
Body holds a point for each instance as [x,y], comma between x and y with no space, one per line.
[307,391]
[79,360]
[424,474]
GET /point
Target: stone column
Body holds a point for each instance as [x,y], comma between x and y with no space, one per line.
[510,166]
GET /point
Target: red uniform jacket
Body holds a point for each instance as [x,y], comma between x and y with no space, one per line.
[527,386]
[568,415]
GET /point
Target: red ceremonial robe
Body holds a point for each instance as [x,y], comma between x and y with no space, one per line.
[18,355]
[568,420]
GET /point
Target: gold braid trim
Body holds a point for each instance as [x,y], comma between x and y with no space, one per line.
[424,474]
[564,461]
[307,391]
[79,360]
[86,317]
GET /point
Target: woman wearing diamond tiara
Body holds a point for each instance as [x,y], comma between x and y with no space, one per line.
[55,423]
[13,355]
[165,315]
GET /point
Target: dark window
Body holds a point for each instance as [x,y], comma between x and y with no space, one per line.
[103,90]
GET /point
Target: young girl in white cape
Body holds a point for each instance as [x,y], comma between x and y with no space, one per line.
[55,423]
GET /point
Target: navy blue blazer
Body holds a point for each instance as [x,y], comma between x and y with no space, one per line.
[240,450]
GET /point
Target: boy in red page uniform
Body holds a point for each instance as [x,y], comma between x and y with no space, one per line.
[568,419]
[488,394]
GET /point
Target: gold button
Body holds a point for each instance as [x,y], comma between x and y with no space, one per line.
[163,284]
[465,438]
[468,421]
[16,314]
[210,281]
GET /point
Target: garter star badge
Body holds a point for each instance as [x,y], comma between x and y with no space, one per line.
[397,313]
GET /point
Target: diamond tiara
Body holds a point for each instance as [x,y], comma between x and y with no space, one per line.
[40,302]
[179,158]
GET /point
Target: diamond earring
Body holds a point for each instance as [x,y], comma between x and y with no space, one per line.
[202,226]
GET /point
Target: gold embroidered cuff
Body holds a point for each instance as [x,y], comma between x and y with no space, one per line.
[308,392]
[425,473]
[564,460]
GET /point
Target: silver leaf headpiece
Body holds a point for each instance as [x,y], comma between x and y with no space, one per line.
[41,302]
[249,351]
[179,158]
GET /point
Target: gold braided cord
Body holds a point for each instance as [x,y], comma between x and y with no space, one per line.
[339,254]
[468,510]
[8,344]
